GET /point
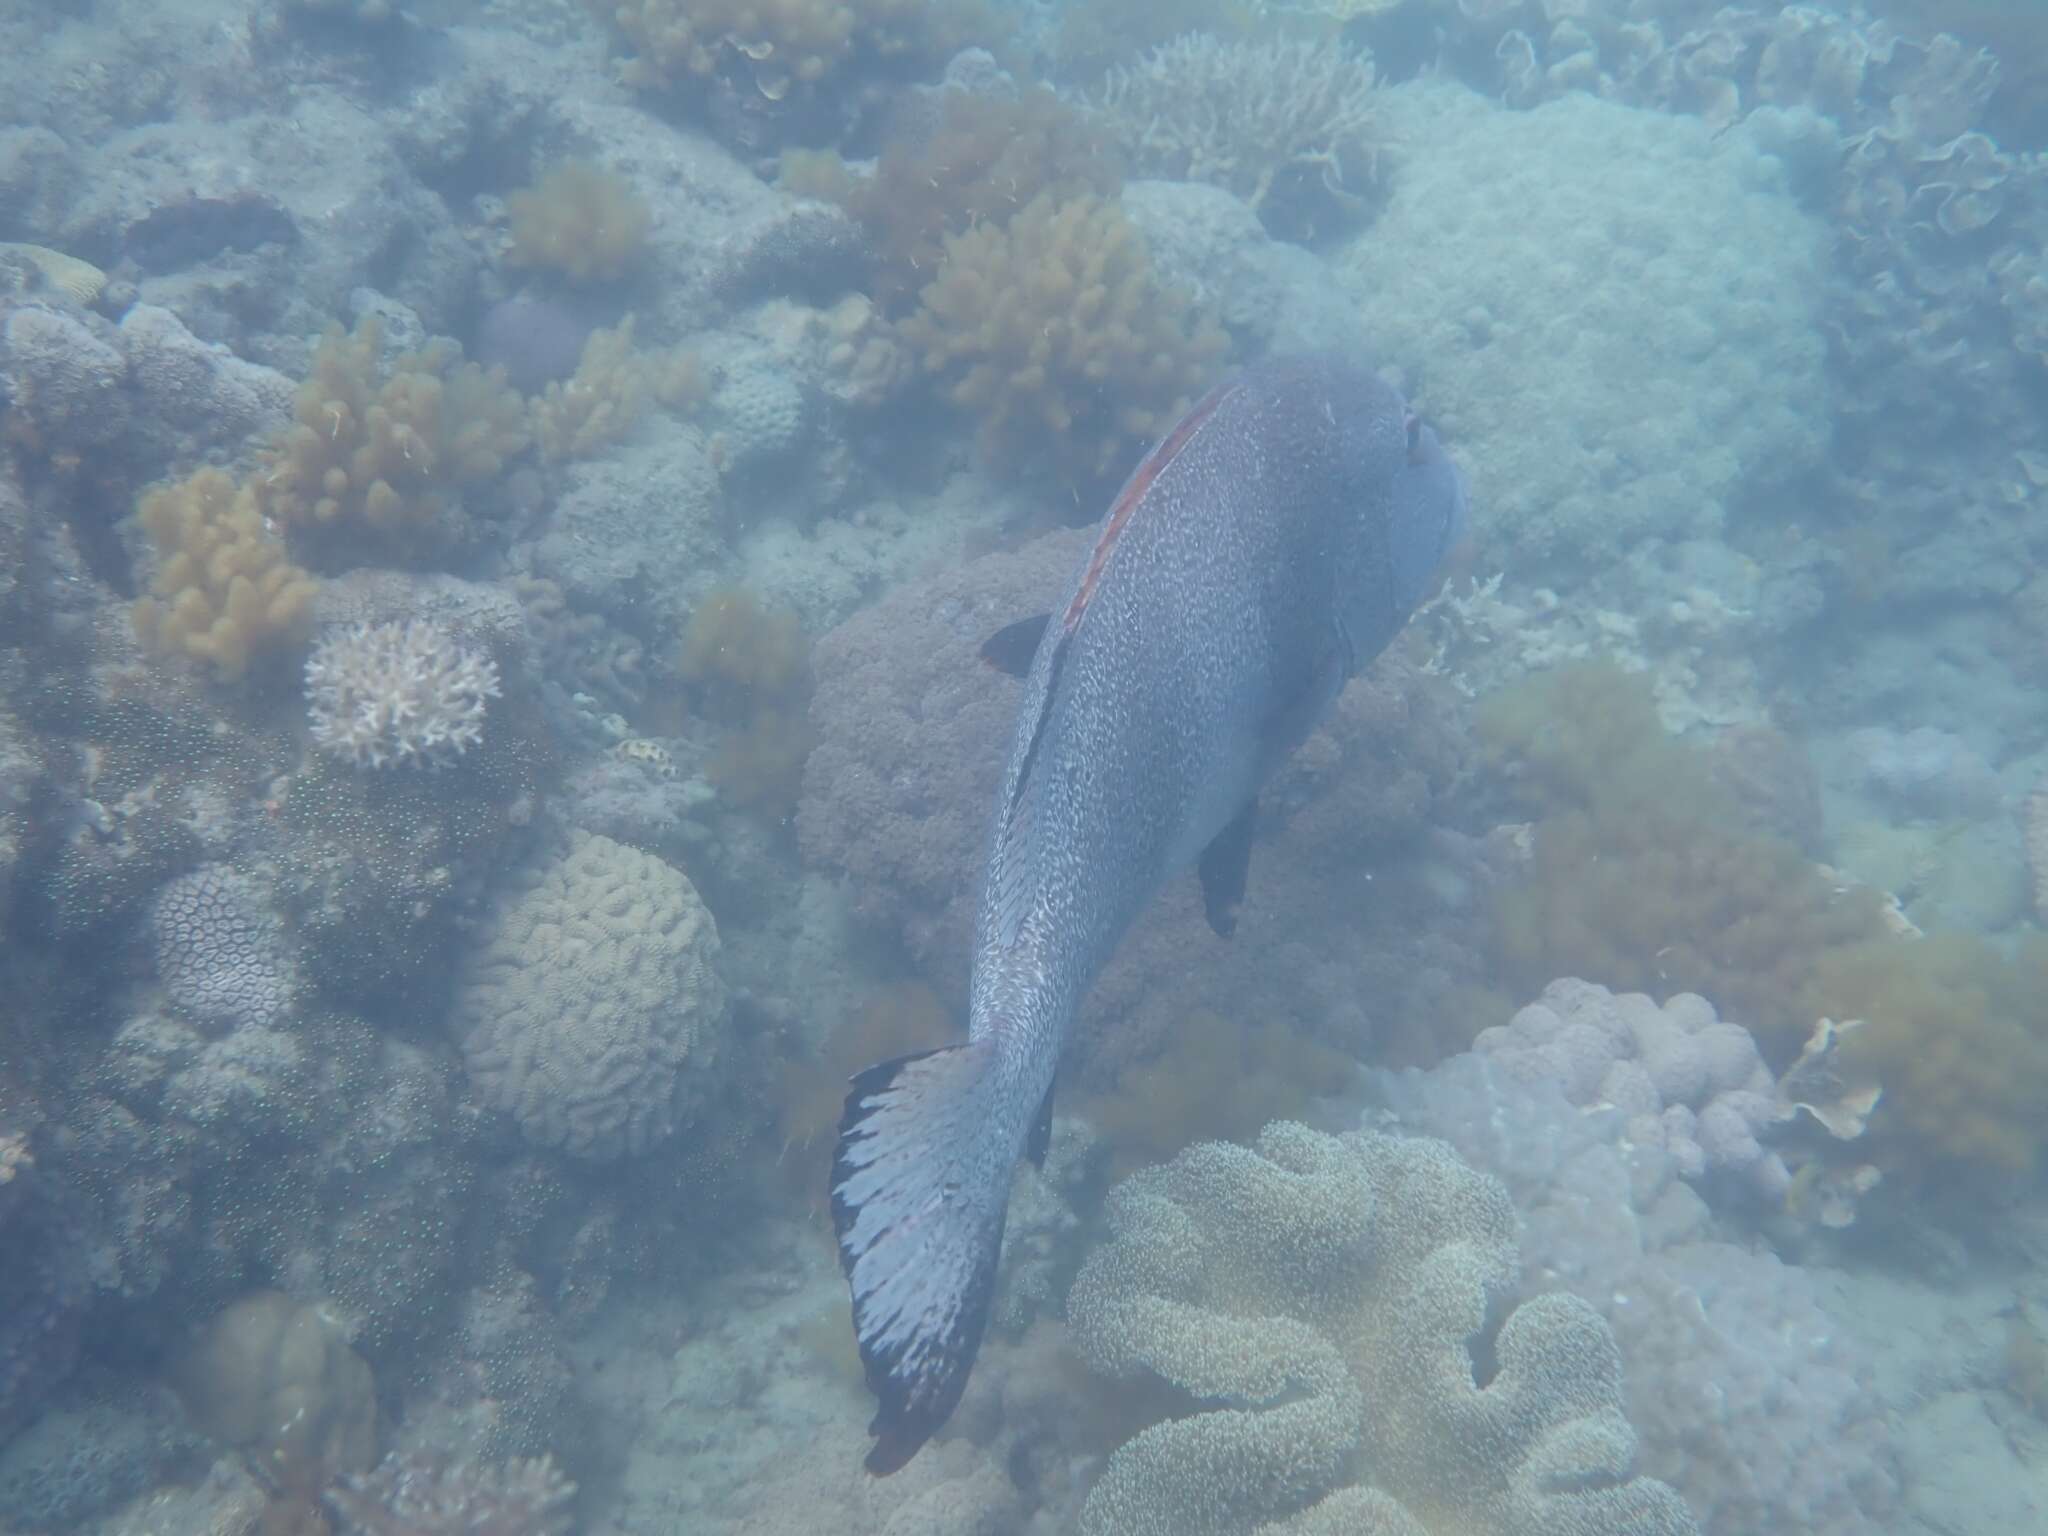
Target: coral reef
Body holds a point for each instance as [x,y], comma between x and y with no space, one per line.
[607,394]
[1054,332]
[748,668]
[985,158]
[1689,1085]
[1285,123]
[219,949]
[590,1006]
[276,1378]
[1746,1394]
[224,592]
[373,456]
[1635,876]
[1319,1297]
[781,44]
[416,1494]
[580,221]
[397,695]
[87,1456]
[1582,442]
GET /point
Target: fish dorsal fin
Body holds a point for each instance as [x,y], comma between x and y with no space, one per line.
[1012,648]
[1040,1141]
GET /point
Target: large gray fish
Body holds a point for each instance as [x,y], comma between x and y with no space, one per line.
[1265,551]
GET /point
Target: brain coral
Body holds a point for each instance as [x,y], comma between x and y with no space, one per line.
[1326,1299]
[1618,341]
[587,994]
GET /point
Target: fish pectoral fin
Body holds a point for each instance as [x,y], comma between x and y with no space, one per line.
[1040,1141]
[918,1203]
[1011,648]
[1223,868]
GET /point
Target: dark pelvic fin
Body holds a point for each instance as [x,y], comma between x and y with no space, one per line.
[1223,867]
[1011,648]
[1040,1141]
[918,1200]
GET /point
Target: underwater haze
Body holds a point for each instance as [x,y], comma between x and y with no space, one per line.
[1023,768]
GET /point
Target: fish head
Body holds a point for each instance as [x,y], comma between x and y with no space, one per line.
[1427,516]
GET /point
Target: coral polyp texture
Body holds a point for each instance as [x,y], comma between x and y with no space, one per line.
[219,948]
[225,590]
[1323,1298]
[417,1494]
[397,695]
[590,1006]
[781,43]
[1057,335]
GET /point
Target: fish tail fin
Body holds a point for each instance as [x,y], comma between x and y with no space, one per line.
[920,1188]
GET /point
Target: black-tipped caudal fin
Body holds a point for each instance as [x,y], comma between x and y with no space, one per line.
[920,1185]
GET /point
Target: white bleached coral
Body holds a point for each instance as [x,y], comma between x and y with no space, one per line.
[393,695]
[590,998]
[1323,1297]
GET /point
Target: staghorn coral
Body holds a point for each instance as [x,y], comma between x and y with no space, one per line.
[225,591]
[417,1494]
[591,992]
[1285,123]
[383,456]
[1056,333]
[1323,1299]
[580,221]
[397,695]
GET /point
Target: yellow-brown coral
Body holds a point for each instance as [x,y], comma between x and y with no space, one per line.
[1055,332]
[749,669]
[609,392]
[225,589]
[579,220]
[381,458]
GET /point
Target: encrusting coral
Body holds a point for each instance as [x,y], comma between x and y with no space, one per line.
[1325,1301]
[1056,333]
[225,590]
[581,221]
[382,457]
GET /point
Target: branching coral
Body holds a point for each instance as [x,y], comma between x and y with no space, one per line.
[225,590]
[1056,333]
[1324,1301]
[397,695]
[421,1495]
[1285,123]
[382,457]
[581,221]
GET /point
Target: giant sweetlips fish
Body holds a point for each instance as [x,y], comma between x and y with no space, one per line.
[1263,553]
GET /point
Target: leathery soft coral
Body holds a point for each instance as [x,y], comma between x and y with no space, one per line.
[1056,333]
[225,591]
[1324,1299]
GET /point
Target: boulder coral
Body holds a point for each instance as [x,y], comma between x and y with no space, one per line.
[1326,1302]
[590,995]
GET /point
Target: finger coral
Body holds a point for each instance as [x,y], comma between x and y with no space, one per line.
[1056,333]
[581,221]
[1324,1301]
[225,590]
[373,459]
[383,695]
